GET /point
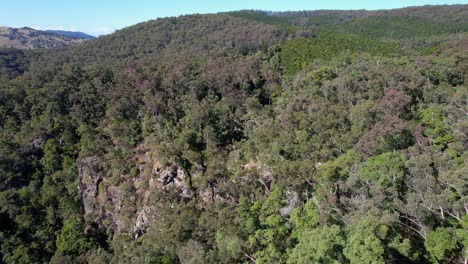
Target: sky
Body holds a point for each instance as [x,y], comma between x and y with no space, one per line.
[98,17]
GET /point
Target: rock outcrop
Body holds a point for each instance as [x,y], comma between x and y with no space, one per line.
[126,204]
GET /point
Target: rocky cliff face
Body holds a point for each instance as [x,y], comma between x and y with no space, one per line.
[130,204]
[127,205]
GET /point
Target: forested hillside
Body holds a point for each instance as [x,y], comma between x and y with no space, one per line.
[242,137]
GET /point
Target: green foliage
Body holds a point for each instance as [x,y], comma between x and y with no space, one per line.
[400,27]
[266,18]
[385,170]
[51,160]
[242,137]
[319,245]
[193,253]
[272,235]
[159,260]
[462,234]
[229,245]
[440,244]
[13,63]
[336,169]
[71,239]
[298,53]
[362,245]
[305,218]
[437,130]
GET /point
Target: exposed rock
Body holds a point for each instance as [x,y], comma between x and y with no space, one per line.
[114,212]
[89,169]
[318,165]
[128,207]
[208,194]
[262,170]
[173,178]
[38,142]
[103,206]
[292,198]
[142,218]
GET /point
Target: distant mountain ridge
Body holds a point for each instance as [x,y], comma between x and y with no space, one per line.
[73,34]
[28,38]
[447,14]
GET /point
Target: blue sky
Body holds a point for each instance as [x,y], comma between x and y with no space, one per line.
[98,17]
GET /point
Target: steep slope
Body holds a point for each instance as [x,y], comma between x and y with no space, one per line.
[171,39]
[237,138]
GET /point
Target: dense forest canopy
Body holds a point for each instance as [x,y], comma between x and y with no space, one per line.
[241,137]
